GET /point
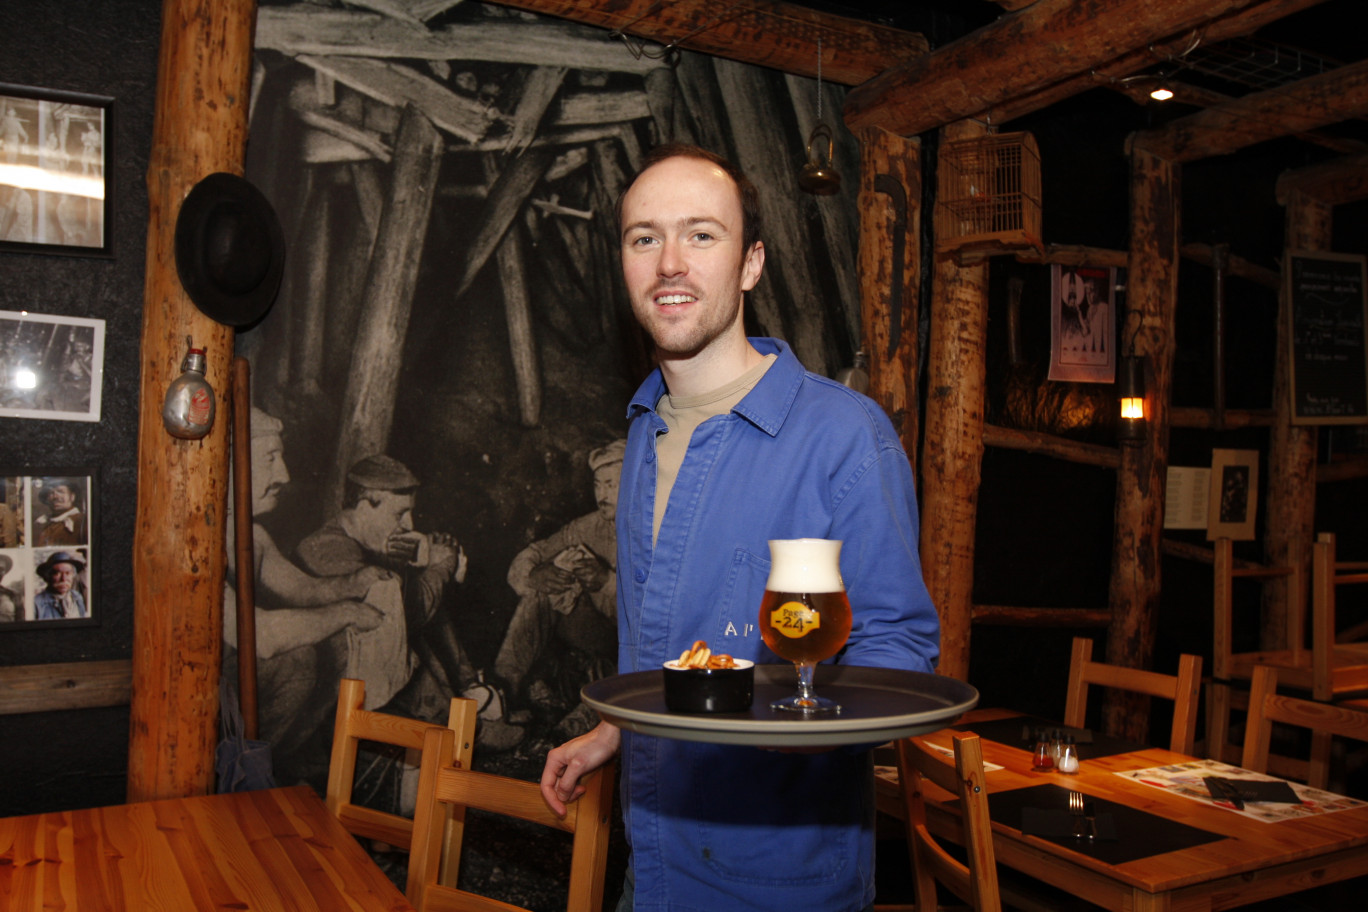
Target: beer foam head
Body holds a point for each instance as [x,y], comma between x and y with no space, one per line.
[805,565]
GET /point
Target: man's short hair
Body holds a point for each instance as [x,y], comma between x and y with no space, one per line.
[750,197]
[377,473]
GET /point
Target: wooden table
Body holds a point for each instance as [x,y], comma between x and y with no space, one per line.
[1254,861]
[275,849]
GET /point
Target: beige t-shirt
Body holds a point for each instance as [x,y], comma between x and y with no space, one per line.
[682,415]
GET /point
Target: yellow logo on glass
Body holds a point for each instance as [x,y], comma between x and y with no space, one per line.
[794,619]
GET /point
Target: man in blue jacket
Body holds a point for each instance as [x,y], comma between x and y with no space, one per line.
[732,443]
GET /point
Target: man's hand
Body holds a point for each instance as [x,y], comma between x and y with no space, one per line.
[548,579]
[576,758]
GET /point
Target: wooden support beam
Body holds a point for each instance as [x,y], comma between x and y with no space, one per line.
[1014,616]
[890,265]
[1020,53]
[1074,255]
[1152,293]
[1316,101]
[1343,180]
[1230,418]
[952,456]
[1048,445]
[1234,265]
[760,32]
[179,562]
[65,685]
[1342,470]
[1290,520]
[1233,24]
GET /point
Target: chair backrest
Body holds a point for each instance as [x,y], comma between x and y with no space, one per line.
[1267,706]
[442,786]
[1327,573]
[1225,662]
[1180,688]
[975,882]
[355,724]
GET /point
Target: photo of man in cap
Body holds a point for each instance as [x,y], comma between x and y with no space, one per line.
[567,595]
[61,599]
[64,523]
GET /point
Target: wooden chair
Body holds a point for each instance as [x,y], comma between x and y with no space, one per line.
[1229,666]
[353,725]
[1181,688]
[443,786]
[1328,670]
[975,882]
[1267,706]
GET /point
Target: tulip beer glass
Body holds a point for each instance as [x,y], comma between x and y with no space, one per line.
[805,616]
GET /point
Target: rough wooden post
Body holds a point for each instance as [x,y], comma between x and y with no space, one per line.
[178,551]
[1290,523]
[890,219]
[1152,290]
[953,454]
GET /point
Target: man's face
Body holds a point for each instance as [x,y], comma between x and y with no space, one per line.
[606,489]
[375,523]
[62,498]
[269,474]
[682,255]
[61,578]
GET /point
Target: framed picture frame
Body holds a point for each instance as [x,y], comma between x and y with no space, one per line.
[1083,323]
[1233,494]
[51,367]
[47,548]
[55,192]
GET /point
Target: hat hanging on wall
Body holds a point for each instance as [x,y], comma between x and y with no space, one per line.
[230,249]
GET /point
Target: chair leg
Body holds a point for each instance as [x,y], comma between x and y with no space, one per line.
[1218,720]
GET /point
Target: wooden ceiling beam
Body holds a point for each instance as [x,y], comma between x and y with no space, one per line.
[1339,181]
[1238,24]
[1310,103]
[1022,52]
[760,32]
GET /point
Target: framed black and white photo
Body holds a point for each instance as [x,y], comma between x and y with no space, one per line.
[1082,323]
[50,367]
[1233,495]
[47,521]
[55,195]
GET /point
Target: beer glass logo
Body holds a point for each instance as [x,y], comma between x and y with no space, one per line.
[794,619]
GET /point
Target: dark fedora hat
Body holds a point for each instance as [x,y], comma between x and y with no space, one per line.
[230,249]
[59,557]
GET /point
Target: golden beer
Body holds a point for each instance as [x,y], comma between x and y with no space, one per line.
[805,626]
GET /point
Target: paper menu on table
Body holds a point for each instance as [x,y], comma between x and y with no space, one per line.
[1186,779]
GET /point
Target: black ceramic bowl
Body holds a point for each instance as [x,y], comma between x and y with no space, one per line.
[709,690]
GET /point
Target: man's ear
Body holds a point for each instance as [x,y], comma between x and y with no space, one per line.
[752,266]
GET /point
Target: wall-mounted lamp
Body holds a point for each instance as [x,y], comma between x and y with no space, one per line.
[1131,428]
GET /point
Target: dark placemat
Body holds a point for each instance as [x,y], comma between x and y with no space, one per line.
[1017,731]
[1125,833]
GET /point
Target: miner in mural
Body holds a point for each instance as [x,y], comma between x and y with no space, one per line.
[304,625]
[375,529]
[567,595]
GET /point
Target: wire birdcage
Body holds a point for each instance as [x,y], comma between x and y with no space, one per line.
[988,193]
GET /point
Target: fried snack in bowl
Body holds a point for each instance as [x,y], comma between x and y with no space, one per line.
[701,681]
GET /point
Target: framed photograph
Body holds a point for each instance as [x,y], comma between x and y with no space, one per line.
[1233,494]
[54,155]
[1083,323]
[50,367]
[47,548]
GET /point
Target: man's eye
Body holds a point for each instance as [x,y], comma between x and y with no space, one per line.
[702,236]
[642,241]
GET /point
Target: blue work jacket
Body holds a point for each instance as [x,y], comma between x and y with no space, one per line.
[719,827]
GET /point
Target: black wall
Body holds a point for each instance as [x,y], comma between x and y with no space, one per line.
[79,758]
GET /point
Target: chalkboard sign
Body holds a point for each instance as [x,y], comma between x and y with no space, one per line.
[1329,347]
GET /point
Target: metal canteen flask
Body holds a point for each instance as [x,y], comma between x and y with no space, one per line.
[188,411]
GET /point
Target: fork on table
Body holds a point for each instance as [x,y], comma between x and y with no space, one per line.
[1080,826]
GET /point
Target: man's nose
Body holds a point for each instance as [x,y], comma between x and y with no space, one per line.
[672,261]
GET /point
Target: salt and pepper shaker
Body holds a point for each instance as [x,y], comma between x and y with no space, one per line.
[1043,758]
[1068,756]
[1056,746]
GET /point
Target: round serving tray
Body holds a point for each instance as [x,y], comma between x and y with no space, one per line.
[877,705]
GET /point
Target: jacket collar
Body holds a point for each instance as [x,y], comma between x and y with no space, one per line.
[766,406]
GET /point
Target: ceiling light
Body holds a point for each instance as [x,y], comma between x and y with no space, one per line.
[1161,93]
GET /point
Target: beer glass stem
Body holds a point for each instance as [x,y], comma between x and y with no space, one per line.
[806,695]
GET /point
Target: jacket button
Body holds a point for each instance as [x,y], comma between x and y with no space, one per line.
[640,575]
